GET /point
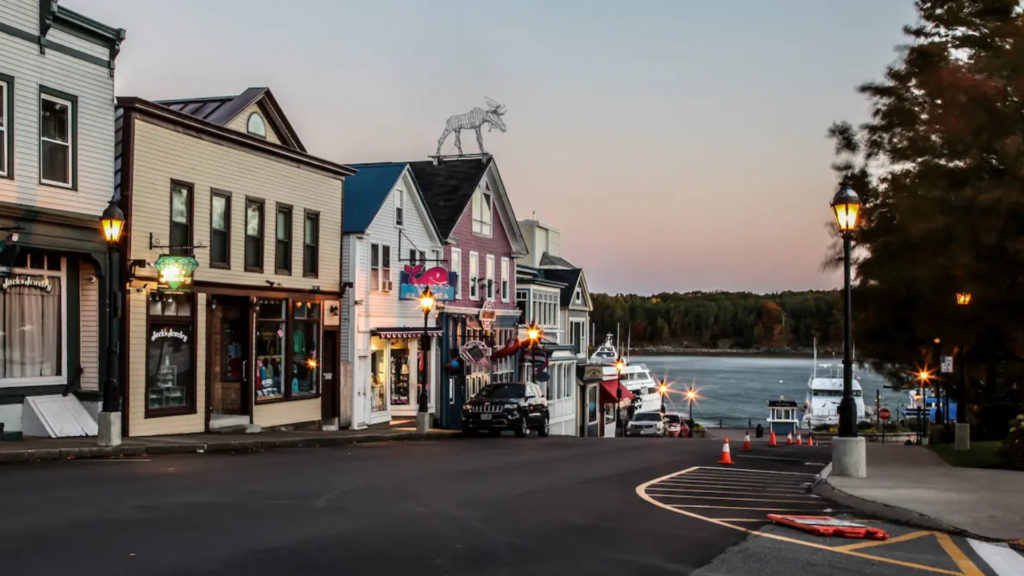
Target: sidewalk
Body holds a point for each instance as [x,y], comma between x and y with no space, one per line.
[912,485]
[34,449]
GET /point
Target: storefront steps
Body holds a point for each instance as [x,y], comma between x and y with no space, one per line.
[232,424]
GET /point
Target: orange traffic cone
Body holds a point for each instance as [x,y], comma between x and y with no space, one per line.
[810,440]
[771,440]
[746,441]
[789,439]
[799,439]
[726,456]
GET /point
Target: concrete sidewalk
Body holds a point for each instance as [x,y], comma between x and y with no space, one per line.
[33,449]
[912,485]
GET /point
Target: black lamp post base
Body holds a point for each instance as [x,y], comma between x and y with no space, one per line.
[848,417]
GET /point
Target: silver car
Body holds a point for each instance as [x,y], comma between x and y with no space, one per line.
[646,424]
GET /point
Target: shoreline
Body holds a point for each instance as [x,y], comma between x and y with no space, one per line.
[725,352]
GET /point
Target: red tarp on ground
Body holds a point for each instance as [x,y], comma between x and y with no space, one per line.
[828,526]
[609,390]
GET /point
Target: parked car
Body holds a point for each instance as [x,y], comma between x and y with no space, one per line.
[646,424]
[499,407]
[676,425]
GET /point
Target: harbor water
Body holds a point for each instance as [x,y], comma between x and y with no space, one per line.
[735,389]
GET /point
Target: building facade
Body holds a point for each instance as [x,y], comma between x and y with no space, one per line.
[392,253]
[251,338]
[56,178]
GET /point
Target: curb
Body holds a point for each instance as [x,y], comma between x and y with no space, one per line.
[254,445]
[822,487]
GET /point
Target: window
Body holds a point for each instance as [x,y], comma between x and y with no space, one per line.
[417,256]
[6,117]
[220,229]
[283,242]
[32,312]
[457,268]
[474,275]
[305,348]
[256,126]
[504,279]
[399,207]
[545,309]
[400,372]
[489,287]
[181,218]
[271,325]
[292,370]
[170,355]
[311,245]
[57,113]
[482,213]
[380,268]
[578,296]
[576,335]
[253,235]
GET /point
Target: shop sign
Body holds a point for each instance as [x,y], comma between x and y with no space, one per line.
[487,315]
[593,373]
[175,272]
[475,352]
[413,280]
[168,333]
[28,282]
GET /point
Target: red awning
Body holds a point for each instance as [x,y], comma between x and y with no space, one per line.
[609,391]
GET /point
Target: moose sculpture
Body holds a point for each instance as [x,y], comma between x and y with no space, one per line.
[473,120]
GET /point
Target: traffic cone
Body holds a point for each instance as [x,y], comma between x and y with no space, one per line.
[810,440]
[771,440]
[726,456]
[799,439]
[789,439]
[746,441]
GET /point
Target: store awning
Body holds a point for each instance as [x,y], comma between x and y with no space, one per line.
[609,391]
[403,332]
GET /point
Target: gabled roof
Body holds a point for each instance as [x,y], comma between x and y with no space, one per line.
[221,110]
[366,192]
[550,260]
[448,187]
[570,278]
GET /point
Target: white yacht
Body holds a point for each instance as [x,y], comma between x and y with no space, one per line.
[824,392]
[635,377]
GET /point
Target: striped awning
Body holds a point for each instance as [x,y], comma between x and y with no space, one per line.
[404,332]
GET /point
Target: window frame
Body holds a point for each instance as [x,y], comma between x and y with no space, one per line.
[62,275]
[489,287]
[46,93]
[457,268]
[505,282]
[478,225]
[281,208]
[190,321]
[313,272]
[399,208]
[248,123]
[262,204]
[226,196]
[7,105]
[474,273]
[176,249]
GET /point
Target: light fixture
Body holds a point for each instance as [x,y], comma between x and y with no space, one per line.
[112,221]
[846,205]
[176,271]
[963,298]
[426,300]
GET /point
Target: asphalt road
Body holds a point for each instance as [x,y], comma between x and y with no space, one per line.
[495,506]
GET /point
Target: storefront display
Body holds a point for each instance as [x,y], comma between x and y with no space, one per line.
[270,351]
[400,374]
[30,306]
[170,358]
[378,380]
[305,347]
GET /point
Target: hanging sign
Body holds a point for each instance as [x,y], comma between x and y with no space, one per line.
[475,352]
[947,364]
[413,280]
[487,315]
[175,272]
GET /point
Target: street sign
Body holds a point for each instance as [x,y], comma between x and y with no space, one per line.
[884,414]
[947,364]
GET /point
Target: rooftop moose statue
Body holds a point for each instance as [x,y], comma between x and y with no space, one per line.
[473,120]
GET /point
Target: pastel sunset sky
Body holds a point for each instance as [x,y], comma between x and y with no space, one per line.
[678,145]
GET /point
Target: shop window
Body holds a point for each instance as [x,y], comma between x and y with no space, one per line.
[305,357]
[271,324]
[400,374]
[170,355]
[31,303]
[311,245]
[220,230]
[287,349]
[253,235]
[283,244]
[181,218]
[57,112]
[378,377]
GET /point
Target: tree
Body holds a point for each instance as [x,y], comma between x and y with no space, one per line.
[940,169]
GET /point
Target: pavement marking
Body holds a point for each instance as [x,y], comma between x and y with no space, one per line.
[708,481]
[735,508]
[730,498]
[1000,557]
[872,543]
[962,562]
[732,490]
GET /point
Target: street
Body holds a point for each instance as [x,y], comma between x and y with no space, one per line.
[465,506]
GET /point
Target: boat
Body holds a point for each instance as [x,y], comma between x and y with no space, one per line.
[932,405]
[635,377]
[824,392]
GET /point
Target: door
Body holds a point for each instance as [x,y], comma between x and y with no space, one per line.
[329,408]
[228,337]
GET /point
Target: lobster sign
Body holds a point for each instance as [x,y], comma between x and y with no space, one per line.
[413,280]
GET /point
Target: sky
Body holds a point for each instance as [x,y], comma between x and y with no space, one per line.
[677,145]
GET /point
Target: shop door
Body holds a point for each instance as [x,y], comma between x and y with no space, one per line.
[228,359]
[331,392]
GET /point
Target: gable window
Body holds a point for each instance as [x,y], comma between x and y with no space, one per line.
[6,115]
[181,218]
[311,245]
[256,126]
[380,268]
[474,277]
[253,235]
[578,297]
[57,138]
[399,207]
[482,213]
[504,279]
[220,229]
[489,287]
[457,268]
[283,242]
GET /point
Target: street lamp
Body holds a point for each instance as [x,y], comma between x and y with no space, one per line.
[533,335]
[620,365]
[663,391]
[691,395]
[112,222]
[848,449]
[422,417]
[963,430]
[923,376]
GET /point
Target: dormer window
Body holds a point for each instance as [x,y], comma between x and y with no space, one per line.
[256,126]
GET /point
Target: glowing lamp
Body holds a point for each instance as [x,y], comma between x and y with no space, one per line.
[533,332]
[175,271]
[963,298]
[427,300]
[620,365]
[112,221]
[846,205]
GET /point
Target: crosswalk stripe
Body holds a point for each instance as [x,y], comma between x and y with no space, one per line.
[1000,557]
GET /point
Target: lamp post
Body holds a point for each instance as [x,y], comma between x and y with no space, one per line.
[848,451]
[663,391]
[922,379]
[112,221]
[422,415]
[691,395]
[533,335]
[963,428]
[620,364]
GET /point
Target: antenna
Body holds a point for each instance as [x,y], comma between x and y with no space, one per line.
[629,337]
[814,374]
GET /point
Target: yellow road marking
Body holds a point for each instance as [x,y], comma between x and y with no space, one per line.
[641,492]
[737,482]
[742,519]
[962,561]
[755,470]
[807,501]
[747,479]
[734,508]
[869,544]
[730,490]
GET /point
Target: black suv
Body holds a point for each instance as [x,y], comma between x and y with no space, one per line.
[516,407]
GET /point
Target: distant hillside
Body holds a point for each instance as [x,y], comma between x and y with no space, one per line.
[785,321]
